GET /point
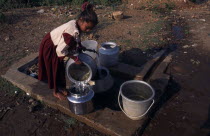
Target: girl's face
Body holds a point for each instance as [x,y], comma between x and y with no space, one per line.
[86,26]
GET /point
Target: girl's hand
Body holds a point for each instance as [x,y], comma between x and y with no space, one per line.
[78,62]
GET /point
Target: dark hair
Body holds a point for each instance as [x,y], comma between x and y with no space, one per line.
[88,14]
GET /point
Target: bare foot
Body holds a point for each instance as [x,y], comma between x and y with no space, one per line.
[59,95]
[64,91]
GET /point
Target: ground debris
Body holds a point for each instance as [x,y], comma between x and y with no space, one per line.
[203,20]
[117,15]
[30,100]
[195,61]
[6,38]
[34,105]
[186,46]
[194,45]
[40,11]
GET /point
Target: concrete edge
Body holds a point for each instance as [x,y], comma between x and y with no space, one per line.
[146,68]
[24,82]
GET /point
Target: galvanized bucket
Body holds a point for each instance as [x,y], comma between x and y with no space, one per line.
[137,98]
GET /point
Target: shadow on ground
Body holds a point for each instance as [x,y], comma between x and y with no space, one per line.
[199,1]
[172,88]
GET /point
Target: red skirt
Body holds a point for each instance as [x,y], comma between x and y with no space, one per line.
[51,67]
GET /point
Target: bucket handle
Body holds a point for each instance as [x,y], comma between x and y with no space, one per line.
[153,101]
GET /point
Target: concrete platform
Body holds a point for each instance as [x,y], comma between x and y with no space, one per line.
[107,118]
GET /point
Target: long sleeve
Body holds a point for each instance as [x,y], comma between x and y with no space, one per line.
[70,41]
[67,44]
[64,38]
[71,44]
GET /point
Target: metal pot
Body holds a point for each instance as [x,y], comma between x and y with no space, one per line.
[81,103]
[103,82]
[108,54]
[80,94]
[88,61]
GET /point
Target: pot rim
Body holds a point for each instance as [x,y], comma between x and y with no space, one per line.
[138,81]
[76,81]
[81,99]
[105,51]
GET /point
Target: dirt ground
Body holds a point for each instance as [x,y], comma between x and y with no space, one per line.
[140,34]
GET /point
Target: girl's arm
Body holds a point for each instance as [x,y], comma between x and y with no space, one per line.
[80,48]
[71,43]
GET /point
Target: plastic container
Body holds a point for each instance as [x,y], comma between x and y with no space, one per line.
[108,54]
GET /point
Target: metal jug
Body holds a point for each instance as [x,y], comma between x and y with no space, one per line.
[81,103]
[81,94]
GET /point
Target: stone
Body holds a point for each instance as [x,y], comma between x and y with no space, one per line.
[117,15]
[30,100]
[186,46]
[91,36]
[6,38]
[34,103]
[40,11]
[99,6]
[31,108]
[194,45]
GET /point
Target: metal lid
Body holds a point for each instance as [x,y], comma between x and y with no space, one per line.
[75,97]
[108,48]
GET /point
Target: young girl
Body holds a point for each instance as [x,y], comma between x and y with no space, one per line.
[59,43]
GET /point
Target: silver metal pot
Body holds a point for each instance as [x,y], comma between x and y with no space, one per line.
[81,103]
[88,61]
[80,94]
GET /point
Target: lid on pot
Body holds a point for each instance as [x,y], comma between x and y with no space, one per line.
[77,96]
[108,48]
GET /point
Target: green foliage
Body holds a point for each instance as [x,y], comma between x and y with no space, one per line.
[106,2]
[2,20]
[151,33]
[9,4]
[77,2]
[68,120]
[9,88]
[157,6]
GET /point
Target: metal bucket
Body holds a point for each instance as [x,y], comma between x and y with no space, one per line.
[137,98]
